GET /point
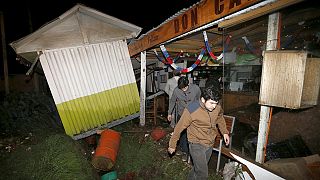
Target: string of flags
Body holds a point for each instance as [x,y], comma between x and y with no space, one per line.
[209,49]
[169,61]
[165,62]
[183,70]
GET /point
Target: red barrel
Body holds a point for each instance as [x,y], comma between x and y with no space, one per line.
[107,150]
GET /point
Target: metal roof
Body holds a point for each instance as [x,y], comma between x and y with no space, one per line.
[78,26]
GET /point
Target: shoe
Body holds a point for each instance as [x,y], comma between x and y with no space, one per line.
[185,158]
[189,159]
[179,153]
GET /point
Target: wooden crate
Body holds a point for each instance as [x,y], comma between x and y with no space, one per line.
[289,79]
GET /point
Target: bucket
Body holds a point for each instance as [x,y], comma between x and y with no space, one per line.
[110,176]
[158,133]
[107,150]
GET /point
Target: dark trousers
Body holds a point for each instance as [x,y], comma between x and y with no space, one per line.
[200,155]
[183,141]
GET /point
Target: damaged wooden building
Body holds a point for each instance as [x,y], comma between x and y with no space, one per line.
[266,53]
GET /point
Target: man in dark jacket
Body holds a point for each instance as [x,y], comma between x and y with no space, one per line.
[184,94]
[201,118]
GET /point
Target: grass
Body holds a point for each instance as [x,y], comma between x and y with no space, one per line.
[34,146]
[141,157]
[56,157]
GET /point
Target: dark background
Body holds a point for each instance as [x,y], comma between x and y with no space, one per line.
[23,17]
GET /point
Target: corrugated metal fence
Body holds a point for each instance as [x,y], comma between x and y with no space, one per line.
[91,85]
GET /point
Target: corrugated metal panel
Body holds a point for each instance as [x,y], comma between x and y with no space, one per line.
[91,85]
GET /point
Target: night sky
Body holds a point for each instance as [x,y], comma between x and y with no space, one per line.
[145,14]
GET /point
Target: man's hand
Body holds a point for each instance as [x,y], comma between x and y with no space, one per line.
[171,150]
[226,139]
[169,117]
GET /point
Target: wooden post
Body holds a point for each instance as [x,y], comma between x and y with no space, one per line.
[272,42]
[4,55]
[35,75]
[143,76]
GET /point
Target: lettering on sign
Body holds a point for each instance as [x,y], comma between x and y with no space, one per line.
[201,14]
[189,19]
[232,2]
[219,5]
[152,38]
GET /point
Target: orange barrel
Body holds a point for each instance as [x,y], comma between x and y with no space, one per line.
[106,152]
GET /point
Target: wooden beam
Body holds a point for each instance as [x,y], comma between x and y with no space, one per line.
[176,50]
[272,41]
[248,28]
[254,13]
[200,14]
[4,54]
[190,42]
[215,31]
[143,81]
